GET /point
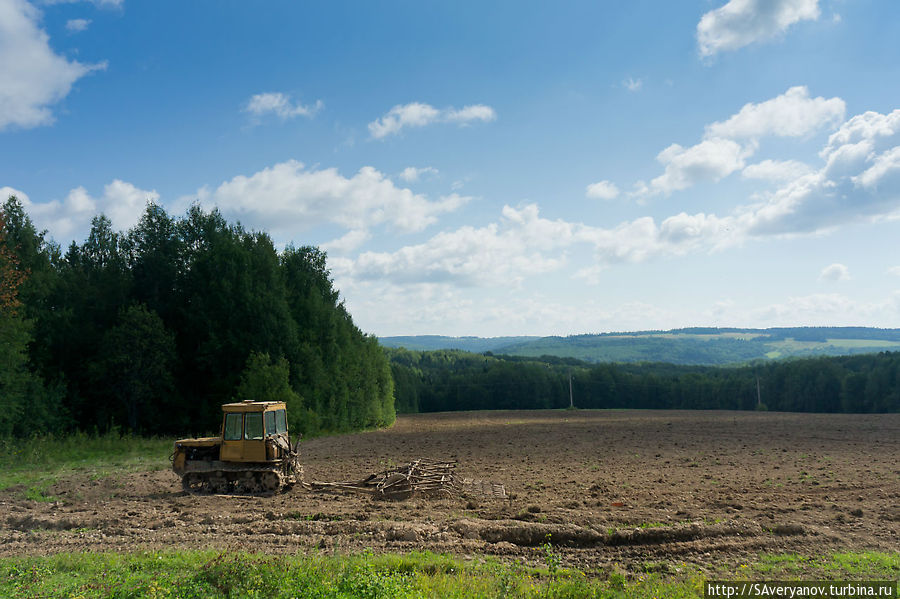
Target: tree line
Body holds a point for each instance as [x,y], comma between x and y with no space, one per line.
[151,329]
[430,381]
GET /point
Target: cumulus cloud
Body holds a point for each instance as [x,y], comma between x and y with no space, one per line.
[860,179]
[602,190]
[776,170]
[77,25]
[728,144]
[347,242]
[710,160]
[835,272]
[288,197]
[792,114]
[7,191]
[121,201]
[742,22]
[280,105]
[34,77]
[523,243]
[497,254]
[417,114]
[412,174]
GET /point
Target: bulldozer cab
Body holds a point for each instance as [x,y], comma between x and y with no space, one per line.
[252,430]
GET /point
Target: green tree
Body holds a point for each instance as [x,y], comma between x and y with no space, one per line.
[134,371]
[26,406]
[265,380]
[14,338]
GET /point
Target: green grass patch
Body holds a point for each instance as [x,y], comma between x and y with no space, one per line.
[212,574]
[38,463]
[205,574]
[866,565]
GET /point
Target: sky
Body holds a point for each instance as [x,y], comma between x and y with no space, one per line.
[516,167]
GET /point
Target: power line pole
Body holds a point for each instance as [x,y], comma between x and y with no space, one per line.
[758,396]
[571,402]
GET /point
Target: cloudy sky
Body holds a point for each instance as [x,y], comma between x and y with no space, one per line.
[489,168]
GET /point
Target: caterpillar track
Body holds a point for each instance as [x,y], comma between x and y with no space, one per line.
[252,455]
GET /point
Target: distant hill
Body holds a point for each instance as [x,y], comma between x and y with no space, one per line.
[471,344]
[698,346]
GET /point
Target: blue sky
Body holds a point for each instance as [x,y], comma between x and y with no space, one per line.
[490,168]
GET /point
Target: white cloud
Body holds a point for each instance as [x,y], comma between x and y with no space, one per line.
[34,77]
[347,242]
[417,114]
[412,174]
[286,198]
[633,85]
[494,255]
[860,180]
[742,22]
[826,309]
[710,160]
[280,105]
[776,170]
[524,244]
[121,201]
[835,272]
[409,115]
[98,3]
[602,190]
[77,25]
[468,114]
[854,146]
[728,144]
[7,191]
[894,270]
[792,114]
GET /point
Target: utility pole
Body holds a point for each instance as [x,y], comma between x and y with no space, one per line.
[758,396]
[571,402]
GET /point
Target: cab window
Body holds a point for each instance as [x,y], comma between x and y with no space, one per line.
[233,427]
[280,422]
[253,425]
[270,423]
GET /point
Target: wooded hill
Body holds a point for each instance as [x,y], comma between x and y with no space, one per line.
[696,346]
[151,329]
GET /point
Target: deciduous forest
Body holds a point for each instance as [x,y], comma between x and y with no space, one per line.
[151,329]
[454,380]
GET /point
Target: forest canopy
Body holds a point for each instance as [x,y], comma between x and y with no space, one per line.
[152,329]
[432,381]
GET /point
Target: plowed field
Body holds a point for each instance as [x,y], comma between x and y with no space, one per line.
[607,488]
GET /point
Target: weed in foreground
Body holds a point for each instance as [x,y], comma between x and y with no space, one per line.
[212,575]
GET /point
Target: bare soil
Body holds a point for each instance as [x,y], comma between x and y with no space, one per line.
[609,489]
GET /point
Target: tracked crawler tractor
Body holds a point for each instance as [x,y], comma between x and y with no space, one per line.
[253,453]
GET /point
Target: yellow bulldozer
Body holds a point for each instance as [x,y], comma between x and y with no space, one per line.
[252,454]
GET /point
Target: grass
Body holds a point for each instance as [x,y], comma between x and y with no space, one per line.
[866,565]
[196,574]
[36,464]
[211,574]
